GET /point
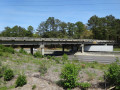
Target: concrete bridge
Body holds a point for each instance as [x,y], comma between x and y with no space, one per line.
[83,44]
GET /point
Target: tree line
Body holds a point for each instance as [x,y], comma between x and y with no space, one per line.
[107,28]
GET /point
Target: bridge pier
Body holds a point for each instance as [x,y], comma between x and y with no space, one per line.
[82,48]
[31,50]
[42,49]
[63,47]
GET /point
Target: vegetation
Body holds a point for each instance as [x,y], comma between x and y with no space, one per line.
[43,68]
[64,58]
[33,87]
[6,49]
[38,54]
[21,80]
[22,51]
[112,75]
[72,74]
[69,75]
[84,86]
[8,74]
[107,27]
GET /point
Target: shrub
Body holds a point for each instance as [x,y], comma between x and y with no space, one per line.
[33,87]
[85,85]
[8,74]
[38,54]
[64,57]
[1,54]
[56,59]
[112,75]
[69,75]
[22,51]
[43,69]
[48,57]
[7,49]
[21,80]
[1,73]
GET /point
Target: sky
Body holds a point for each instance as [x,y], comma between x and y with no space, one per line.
[32,12]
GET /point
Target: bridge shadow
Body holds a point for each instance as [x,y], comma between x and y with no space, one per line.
[60,53]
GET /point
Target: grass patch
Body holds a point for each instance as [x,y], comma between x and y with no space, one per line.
[116,49]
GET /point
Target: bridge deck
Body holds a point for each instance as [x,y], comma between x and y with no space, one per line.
[53,39]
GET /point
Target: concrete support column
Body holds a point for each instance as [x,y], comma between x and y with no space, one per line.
[63,48]
[31,50]
[42,49]
[82,45]
[106,44]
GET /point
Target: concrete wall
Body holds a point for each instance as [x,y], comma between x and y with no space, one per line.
[98,48]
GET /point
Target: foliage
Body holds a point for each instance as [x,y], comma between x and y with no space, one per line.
[6,49]
[17,31]
[1,54]
[69,75]
[112,75]
[22,51]
[84,85]
[38,54]
[2,70]
[42,69]
[33,87]
[8,74]
[57,59]
[21,80]
[64,57]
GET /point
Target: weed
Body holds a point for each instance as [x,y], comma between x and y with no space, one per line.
[43,68]
[8,74]
[84,85]
[33,87]
[38,54]
[21,80]
[22,51]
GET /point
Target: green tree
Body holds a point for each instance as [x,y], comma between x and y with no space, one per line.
[63,28]
[70,28]
[79,29]
[30,30]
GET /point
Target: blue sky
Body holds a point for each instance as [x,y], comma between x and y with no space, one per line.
[33,12]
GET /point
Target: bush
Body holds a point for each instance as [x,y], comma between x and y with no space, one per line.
[1,73]
[22,51]
[112,75]
[57,59]
[43,69]
[85,85]
[21,80]
[8,74]
[2,70]
[38,54]
[48,57]
[7,49]
[33,87]
[1,54]
[69,75]
[64,57]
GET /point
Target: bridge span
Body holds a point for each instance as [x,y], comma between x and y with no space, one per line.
[76,44]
